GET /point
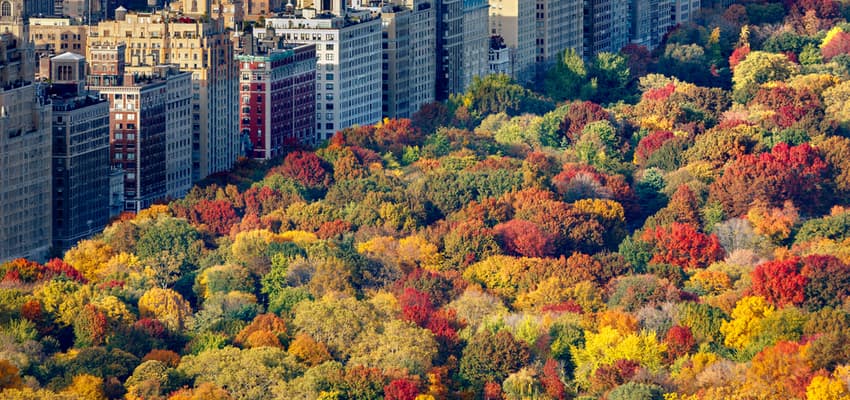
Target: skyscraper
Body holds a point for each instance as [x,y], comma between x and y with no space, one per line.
[25,144]
[606,26]
[80,153]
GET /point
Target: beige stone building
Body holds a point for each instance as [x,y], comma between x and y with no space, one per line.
[25,145]
[54,36]
[195,44]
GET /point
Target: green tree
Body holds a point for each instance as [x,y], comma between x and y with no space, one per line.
[567,79]
[610,71]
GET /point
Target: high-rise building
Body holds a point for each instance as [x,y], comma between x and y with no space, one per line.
[449,48]
[650,21]
[409,42]
[25,144]
[80,153]
[606,26]
[200,46]
[348,58]
[514,22]
[685,10]
[560,26]
[149,132]
[278,99]
[476,41]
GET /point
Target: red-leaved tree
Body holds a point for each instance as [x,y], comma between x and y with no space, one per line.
[780,282]
[682,245]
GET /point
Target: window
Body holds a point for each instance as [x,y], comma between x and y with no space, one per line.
[6,9]
[329,77]
[329,57]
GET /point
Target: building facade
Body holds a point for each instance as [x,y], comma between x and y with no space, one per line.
[606,26]
[409,44]
[476,41]
[348,64]
[650,21]
[514,21]
[150,137]
[54,36]
[197,45]
[500,57]
[560,26]
[685,10]
[25,145]
[80,154]
[278,99]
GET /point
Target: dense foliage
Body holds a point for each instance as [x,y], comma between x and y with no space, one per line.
[647,225]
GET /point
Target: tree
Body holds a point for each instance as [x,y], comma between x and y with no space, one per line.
[523,238]
[757,68]
[682,245]
[269,323]
[247,374]
[338,323]
[780,282]
[9,376]
[746,321]
[567,79]
[401,389]
[636,391]
[87,387]
[827,281]
[218,216]
[611,73]
[88,257]
[492,357]
[679,341]
[305,167]
[401,346]
[796,173]
[308,351]
[837,45]
[609,345]
[778,371]
[167,306]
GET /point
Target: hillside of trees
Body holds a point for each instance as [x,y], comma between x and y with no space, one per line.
[671,225]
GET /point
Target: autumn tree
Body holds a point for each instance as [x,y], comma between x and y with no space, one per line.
[795,173]
[757,68]
[492,357]
[682,245]
[167,306]
[780,282]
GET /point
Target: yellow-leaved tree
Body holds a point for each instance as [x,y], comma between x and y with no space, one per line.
[746,321]
[167,306]
[609,345]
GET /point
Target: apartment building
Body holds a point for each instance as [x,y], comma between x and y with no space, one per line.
[80,153]
[149,135]
[25,145]
[348,63]
[200,46]
[409,56]
[514,21]
[559,26]
[606,26]
[650,21]
[278,99]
